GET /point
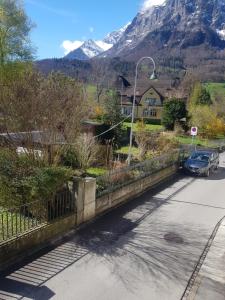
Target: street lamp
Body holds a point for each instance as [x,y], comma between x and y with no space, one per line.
[153,77]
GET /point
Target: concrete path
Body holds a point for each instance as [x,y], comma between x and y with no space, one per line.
[145,250]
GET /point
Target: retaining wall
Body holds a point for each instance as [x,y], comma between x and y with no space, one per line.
[17,248]
[87,208]
[132,190]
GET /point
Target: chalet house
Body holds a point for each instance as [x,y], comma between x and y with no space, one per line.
[149,104]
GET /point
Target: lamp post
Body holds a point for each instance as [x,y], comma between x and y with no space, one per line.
[153,76]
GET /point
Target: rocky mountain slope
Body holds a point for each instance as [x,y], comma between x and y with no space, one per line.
[178,24]
[115,36]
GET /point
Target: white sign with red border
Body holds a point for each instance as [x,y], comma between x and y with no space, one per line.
[194,131]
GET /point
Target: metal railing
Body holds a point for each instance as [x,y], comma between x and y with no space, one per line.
[118,178]
[22,219]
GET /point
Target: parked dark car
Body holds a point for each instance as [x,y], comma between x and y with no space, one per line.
[202,162]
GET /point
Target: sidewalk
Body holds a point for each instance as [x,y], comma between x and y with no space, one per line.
[210,281]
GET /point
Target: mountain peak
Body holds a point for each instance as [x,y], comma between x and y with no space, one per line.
[114,37]
[91,48]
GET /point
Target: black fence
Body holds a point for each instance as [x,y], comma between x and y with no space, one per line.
[22,219]
[118,178]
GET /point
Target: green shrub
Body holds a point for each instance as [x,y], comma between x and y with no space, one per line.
[153,121]
[69,158]
[23,180]
[173,111]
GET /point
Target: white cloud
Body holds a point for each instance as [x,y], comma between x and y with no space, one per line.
[91,29]
[69,46]
[149,3]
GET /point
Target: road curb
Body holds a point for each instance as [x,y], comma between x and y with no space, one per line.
[195,281]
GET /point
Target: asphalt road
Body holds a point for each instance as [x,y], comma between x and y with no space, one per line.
[145,250]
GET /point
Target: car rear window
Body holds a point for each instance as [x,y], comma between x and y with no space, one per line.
[200,156]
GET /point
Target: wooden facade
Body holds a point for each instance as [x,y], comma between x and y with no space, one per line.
[148,105]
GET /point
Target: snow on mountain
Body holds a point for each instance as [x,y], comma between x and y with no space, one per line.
[91,48]
[151,3]
[113,37]
[103,45]
[221,33]
[174,23]
[86,51]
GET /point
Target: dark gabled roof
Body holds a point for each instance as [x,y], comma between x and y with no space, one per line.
[141,91]
[128,100]
[130,94]
[152,87]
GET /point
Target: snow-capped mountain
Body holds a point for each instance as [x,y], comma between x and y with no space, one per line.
[91,48]
[183,36]
[176,23]
[86,51]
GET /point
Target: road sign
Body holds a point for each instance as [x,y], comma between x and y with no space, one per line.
[194,131]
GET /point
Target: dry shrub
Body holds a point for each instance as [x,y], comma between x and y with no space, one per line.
[104,155]
[178,129]
[166,143]
[215,128]
[208,122]
[117,176]
[86,149]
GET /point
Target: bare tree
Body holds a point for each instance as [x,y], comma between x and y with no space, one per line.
[54,106]
[86,149]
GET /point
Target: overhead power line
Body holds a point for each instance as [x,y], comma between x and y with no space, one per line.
[111,128]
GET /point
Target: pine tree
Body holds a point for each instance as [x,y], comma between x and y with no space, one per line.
[173,110]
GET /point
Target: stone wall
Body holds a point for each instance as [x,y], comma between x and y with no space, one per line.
[87,208]
[132,190]
[18,248]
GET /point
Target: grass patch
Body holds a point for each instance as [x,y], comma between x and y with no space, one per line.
[91,89]
[216,89]
[196,141]
[95,172]
[149,127]
[125,150]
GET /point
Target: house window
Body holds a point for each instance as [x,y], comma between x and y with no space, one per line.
[126,111]
[145,113]
[153,112]
[153,102]
[148,113]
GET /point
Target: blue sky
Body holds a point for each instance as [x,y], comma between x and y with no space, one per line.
[60,20]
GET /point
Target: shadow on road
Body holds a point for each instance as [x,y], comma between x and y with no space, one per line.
[28,280]
[156,257]
[118,236]
[135,250]
[218,175]
[13,289]
[111,226]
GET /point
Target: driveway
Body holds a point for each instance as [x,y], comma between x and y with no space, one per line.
[146,249]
